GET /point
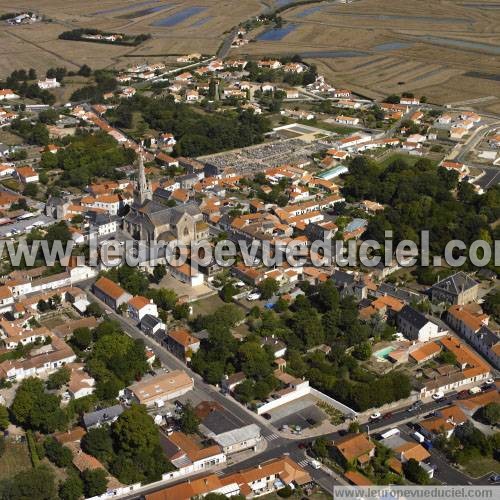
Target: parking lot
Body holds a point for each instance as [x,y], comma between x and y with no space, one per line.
[24,226]
[302,412]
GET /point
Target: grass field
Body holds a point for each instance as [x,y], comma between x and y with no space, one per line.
[15,459]
[481,466]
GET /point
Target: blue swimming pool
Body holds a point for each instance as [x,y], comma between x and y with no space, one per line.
[276,34]
[383,353]
[179,17]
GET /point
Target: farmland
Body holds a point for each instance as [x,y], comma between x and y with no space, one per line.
[446,50]
[176,28]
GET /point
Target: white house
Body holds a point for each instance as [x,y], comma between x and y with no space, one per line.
[7,94]
[48,83]
[139,306]
[415,326]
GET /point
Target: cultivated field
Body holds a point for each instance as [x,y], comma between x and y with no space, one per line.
[447,50]
[176,28]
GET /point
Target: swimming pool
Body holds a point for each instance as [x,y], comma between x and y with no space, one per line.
[383,353]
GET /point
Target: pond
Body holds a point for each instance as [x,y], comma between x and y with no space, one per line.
[384,47]
[276,34]
[462,44]
[124,8]
[179,17]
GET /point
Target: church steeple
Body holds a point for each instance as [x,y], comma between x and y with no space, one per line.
[143,190]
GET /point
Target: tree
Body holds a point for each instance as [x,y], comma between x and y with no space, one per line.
[268,288]
[85,71]
[98,443]
[57,453]
[82,338]
[4,418]
[36,483]
[34,409]
[228,292]
[362,351]
[95,482]
[414,472]
[189,422]
[159,272]
[59,378]
[490,413]
[137,444]
[72,488]
[320,447]
[94,309]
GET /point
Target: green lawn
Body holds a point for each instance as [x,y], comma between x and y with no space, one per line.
[410,159]
[15,459]
[481,466]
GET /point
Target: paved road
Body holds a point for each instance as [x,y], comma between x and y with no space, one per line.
[201,389]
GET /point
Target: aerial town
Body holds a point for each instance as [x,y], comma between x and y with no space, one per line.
[234,378]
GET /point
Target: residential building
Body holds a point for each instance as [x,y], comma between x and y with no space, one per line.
[139,306]
[188,455]
[151,325]
[264,479]
[354,450]
[415,326]
[27,174]
[444,422]
[110,293]
[459,288]
[160,388]
[48,83]
[105,416]
[182,343]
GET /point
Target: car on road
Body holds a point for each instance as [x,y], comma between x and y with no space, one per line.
[495,478]
[389,414]
[267,416]
[374,417]
[415,406]
[438,396]
[302,446]
[315,464]
[463,395]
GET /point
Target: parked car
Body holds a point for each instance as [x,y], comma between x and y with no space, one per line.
[267,416]
[253,296]
[438,396]
[495,478]
[374,417]
[463,395]
[389,414]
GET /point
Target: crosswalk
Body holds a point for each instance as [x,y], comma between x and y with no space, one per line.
[303,463]
[271,437]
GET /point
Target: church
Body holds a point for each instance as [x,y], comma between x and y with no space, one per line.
[151,221]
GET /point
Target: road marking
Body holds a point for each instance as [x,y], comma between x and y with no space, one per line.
[271,437]
[303,463]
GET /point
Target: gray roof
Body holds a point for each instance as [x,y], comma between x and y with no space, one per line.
[150,321]
[397,293]
[220,422]
[488,337]
[456,283]
[412,316]
[102,416]
[236,436]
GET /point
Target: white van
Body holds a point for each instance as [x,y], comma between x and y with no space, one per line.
[418,437]
[314,464]
[390,432]
[474,390]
